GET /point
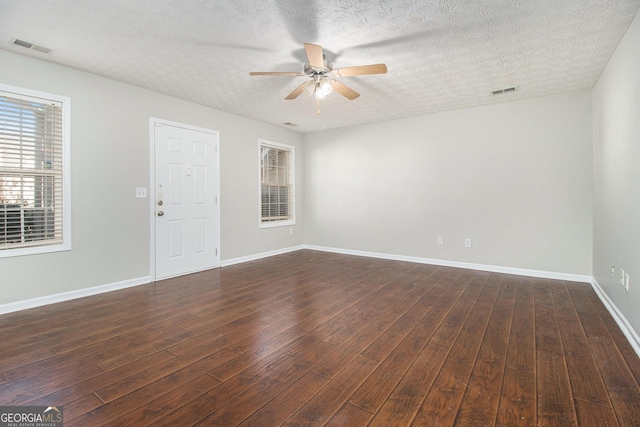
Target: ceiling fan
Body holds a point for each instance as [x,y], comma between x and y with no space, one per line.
[323,77]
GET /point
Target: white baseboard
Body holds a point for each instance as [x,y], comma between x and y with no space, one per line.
[481,267]
[617,315]
[261,255]
[66,296]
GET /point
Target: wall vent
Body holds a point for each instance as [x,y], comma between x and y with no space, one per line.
[31,46]
[505,90]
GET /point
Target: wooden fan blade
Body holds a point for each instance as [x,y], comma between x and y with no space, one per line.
[344,90]
[275,73]
[297,91]
[314,53]
[361,70]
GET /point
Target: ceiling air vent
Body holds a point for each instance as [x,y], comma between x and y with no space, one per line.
[505,90]
[31,46]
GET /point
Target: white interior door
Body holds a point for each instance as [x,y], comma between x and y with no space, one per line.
[187,234]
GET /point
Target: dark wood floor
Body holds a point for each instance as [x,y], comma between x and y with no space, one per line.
[312,338]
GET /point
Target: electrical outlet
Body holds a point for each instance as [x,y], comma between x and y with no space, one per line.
[141,192]
[440,240]
[621,277]
[291,232]
[626,281]
[613,270]
[467,243]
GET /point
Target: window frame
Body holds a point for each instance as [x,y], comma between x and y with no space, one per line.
[65,102]
[292,172]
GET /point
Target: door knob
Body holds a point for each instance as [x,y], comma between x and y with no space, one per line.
[159,202]
[160,213]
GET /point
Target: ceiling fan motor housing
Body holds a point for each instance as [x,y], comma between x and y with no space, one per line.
[318,71]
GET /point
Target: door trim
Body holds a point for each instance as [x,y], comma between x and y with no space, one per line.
[153,121]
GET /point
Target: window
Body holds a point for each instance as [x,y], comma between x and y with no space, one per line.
[276,184]
[34,175]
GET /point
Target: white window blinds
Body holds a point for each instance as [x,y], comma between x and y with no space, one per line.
[276,184]
[31,171]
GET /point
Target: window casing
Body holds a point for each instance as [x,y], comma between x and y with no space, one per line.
[34,172]
[277,207]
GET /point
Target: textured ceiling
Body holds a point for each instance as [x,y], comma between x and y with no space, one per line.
[440,54]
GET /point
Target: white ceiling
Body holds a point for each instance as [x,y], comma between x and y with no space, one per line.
[441,54]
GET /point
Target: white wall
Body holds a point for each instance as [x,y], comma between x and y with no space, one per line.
[110,158]
[515,177]
[616,117]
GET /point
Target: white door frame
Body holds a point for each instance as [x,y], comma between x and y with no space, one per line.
[152,169]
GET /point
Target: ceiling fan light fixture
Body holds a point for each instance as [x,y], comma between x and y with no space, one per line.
[309,88]
[324,88]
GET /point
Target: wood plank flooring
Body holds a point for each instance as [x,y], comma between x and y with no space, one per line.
[313,338]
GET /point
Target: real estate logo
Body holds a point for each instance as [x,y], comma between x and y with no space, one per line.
[31,416]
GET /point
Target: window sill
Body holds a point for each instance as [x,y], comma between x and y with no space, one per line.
[35,250]
[277,224]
